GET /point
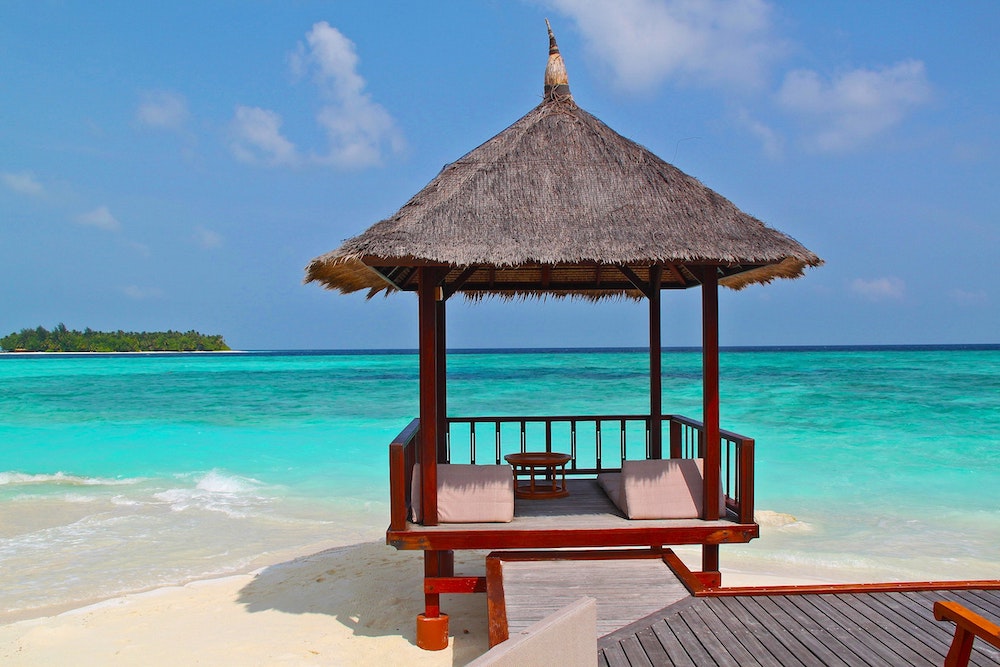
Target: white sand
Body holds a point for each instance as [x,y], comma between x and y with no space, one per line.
[352,605]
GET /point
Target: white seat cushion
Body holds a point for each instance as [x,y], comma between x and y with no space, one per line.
[611,482]
[469,493]
[664,489]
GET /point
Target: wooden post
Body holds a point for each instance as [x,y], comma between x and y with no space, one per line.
[442,383]
[655,365]
[431,385]
[432,625]
[710,399]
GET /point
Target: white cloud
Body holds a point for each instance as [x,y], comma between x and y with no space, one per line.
[206,238]
[856,105]
[163,110]
[101,218]
[141,293]
[23,182]
[969,298]
[879,289]
[772,142]
[726,42]
[359,129]
[257,138]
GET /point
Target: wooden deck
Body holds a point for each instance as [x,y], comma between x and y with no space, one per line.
[878,628]
[625,590]
[585,518]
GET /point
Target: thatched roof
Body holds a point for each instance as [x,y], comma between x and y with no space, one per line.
[559,203]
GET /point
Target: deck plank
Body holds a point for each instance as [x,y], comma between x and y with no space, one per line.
[625,590]
[820,619]
[748,634]
[739,616]
[636,652]
[655,652]
[873,638]
[883,628]
[732,641]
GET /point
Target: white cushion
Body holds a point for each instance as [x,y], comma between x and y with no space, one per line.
[468,493]
[664,489]
[611,482]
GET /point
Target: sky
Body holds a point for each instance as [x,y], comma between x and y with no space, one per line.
[176,165]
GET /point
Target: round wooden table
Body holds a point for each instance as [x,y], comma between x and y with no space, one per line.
[528,463]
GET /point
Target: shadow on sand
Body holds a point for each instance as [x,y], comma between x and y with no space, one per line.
[372,589]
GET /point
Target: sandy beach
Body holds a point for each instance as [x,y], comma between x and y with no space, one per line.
[351,604]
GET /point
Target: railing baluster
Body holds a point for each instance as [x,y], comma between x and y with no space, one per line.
[472,442]
[621,426]
[597,441]
[572,443]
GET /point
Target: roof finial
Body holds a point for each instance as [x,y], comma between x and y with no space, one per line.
[556,80]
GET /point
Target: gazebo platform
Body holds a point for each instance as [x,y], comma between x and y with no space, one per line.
[585,518]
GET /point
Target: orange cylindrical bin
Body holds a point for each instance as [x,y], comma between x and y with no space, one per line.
[432,633]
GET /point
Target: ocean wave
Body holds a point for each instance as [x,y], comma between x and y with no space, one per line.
[216,491]
[781,521]
[11,478]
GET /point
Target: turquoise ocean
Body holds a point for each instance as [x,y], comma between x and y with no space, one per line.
[127,473]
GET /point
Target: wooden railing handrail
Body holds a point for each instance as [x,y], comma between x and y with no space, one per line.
[968,626]
[400,449]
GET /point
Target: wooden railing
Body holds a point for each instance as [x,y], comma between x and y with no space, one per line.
[968,626]
[402,456]
[597,443]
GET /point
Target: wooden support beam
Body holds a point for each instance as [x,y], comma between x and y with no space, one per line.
[710,391]
[428,280]
[710,402]
[655,364]
[496,604]
[458,282]
[637,282]
[441,373]
[454,585]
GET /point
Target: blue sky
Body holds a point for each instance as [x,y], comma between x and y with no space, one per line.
[176,165]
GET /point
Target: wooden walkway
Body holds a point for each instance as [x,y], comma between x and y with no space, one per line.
[625,590]
[889,629]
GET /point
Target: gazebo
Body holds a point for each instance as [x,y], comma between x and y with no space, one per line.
[559,204]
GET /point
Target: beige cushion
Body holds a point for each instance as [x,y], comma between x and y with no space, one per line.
[469,493]
[611,482]
[664,489]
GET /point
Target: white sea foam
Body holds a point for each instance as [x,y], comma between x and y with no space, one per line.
[781,521]
[216,491]
[11,478]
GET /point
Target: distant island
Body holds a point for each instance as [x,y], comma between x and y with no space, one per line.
[61,339]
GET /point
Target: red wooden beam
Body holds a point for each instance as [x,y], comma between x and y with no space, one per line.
[710,390]
[440,380]
[496,604]
[428,279]
[848,589]
[454,585]
[655,364]
[500,538]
